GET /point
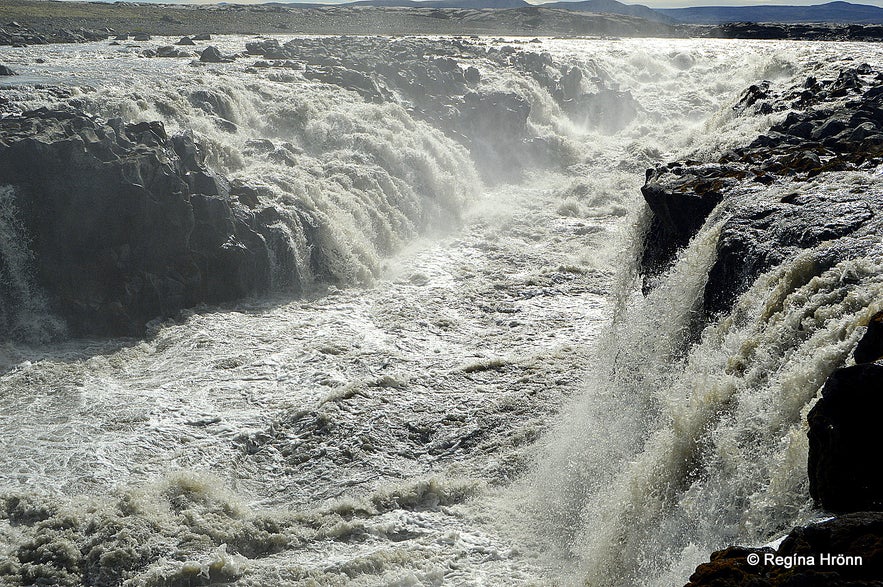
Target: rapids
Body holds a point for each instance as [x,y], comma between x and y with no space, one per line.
[463,383]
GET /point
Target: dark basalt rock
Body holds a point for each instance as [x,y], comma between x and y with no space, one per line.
[4,70]
[845,441]
[763,233]
[170,51]
[851,535]
[212,54]
[752,95]
[766,225]
[680,200]
[349,79]
[472,75]
[870,347]
[125,223]
[270,48]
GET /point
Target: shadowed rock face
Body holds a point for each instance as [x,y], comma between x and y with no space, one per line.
[768,190]
[126,224]
[845,440]
[870,347]
[852,535]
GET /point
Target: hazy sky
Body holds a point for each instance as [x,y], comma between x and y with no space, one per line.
[650,3]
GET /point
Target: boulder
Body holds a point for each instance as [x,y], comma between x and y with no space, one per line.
[472,75]
[803,559]
[186,41]
[349,79]
[870,347]
[5,71]
[269,48]
[846,439]
[211,54]
[169,51]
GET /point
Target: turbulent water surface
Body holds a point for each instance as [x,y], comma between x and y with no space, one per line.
[464,386]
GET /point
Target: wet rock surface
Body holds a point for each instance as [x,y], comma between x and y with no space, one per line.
[845,551]
[845,441]
[126,224]
[870,347]
[789,190]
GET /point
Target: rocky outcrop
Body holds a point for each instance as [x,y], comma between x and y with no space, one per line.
[801,31]
[843,552]
[870,347]
[126,224]
[18,35]
[845,438]
[766,190]
[845,441]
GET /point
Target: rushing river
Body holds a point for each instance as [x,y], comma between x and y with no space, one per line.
[433,403]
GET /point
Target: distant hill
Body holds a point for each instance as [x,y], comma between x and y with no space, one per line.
[613,7]
[477,4]
[832,12]
[596,6]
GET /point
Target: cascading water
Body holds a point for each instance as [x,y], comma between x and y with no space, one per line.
[24,311]
[501,373]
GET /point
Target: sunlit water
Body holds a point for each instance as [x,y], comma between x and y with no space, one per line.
[438,406]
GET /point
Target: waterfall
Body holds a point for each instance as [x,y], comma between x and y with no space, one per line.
[24,309]
[679,448]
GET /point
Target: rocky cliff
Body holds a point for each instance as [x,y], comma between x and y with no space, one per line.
[125,224]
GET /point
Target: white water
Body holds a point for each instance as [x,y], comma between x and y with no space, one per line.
[472,414]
